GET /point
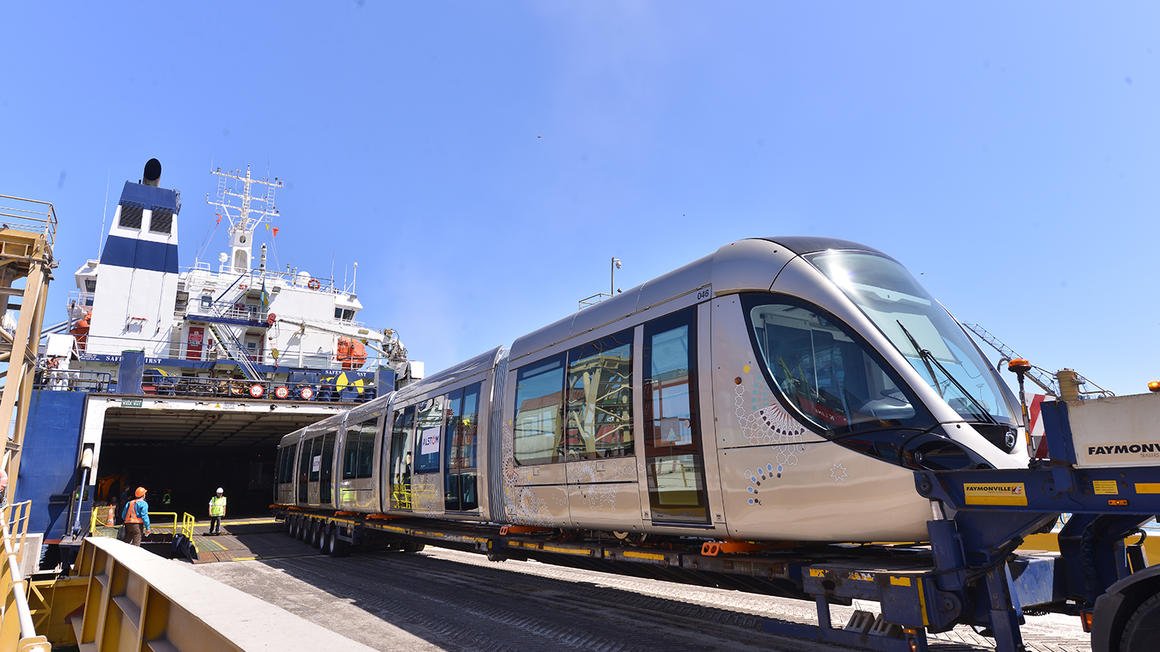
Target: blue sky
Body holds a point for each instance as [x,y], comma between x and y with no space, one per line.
[483,161]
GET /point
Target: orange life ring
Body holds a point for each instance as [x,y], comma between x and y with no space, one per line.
[257,390]
[271,318]
[314,284]
[306,393]
[281,392]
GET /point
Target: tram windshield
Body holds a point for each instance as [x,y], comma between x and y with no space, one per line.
[933,343]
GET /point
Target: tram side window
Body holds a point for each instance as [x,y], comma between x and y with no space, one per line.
[285,465]
[822,371]
[358,458]
[429,422]
[598,421]
[315,459]
[538,429]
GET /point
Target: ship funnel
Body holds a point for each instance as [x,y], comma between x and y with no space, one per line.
[152,174]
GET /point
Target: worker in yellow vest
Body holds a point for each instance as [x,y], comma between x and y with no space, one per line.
[217,509]
[136,518]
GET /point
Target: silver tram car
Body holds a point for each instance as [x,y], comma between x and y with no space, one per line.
[777,389]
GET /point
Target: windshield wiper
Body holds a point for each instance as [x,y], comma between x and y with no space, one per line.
[929,359]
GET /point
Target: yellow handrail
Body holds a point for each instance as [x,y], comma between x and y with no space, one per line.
[158,516]
[16,628]
[186,528]
[187,523]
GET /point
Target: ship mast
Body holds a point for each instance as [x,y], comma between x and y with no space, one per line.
[238,202]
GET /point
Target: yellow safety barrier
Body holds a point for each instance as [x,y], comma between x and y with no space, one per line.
[100,516]
[187,523]
[16,628]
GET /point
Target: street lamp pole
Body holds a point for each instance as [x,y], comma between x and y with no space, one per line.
[613,266]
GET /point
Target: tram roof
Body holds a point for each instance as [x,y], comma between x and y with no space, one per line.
[745,265]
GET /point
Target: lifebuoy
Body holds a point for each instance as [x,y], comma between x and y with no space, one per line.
[257,390]
[306,393]
[314,284]
[281,392]
[243,286]
[271,318]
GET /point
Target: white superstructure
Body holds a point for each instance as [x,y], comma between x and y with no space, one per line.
[235,318]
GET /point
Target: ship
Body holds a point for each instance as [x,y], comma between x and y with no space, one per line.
[182,379]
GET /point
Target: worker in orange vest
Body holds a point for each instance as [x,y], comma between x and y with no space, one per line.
[136,516]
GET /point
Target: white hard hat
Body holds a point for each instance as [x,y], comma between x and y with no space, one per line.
[221,491]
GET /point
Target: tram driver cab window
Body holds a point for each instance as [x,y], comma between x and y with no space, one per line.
[822,371]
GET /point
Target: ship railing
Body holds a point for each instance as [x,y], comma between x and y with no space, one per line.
[358,390]
[30,215]
[17,631]
[80,299]
[228,310]
[73,380]
[253,278]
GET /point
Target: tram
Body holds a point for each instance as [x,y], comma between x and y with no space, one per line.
[778,389]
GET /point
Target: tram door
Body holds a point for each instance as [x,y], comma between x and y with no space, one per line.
[304,457]
[326,470]
[402,443]
[459,450]
[672,441]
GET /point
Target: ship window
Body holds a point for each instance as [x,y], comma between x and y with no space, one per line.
[429,421]
[131,216]
[90,285]
[538,432]
[598,421]
[343,314]
[206,302]
[162,221]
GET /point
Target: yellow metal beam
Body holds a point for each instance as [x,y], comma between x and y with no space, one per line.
[135,600]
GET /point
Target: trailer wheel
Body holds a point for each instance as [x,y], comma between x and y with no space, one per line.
[412,547]
[324,536]
[1142,631]
[292,527]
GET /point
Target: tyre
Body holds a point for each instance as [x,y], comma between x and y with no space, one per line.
[1142,631]
[412,546]
[330,542]
[324,535]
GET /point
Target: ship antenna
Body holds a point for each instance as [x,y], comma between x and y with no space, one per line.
[246,207]
[104,214]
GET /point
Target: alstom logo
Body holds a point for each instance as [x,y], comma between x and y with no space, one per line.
[1150,449]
